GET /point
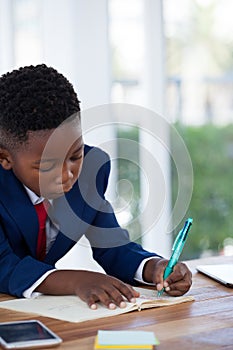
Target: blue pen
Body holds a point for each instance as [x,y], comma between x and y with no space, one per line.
[176,250]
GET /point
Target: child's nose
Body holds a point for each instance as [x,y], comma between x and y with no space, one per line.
[65,175]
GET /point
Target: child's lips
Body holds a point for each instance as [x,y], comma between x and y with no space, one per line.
[64,189]
[60,190]
[67,188]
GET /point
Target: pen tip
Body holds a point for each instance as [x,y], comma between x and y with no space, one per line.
[159,294]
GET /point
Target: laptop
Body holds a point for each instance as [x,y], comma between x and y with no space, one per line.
[222,273]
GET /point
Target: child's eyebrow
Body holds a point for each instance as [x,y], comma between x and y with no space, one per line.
[79,149]
[44,160]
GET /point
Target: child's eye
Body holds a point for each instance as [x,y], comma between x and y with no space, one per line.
[46,168]
[75,158]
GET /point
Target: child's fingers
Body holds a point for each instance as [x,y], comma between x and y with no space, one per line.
[177,289]
[158,274]
[180,273]
[92,302]
[99,296]
[177,283]
[119,292]
[110,295]
[128,291]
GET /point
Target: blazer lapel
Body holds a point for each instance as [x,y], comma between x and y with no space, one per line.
[60,247]
[67,214]
[16,201]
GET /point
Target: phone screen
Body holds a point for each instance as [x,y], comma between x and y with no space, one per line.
[26,333]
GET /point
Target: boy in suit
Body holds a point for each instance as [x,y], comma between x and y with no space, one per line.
[44,160]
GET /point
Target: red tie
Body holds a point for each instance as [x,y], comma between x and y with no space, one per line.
[41,210]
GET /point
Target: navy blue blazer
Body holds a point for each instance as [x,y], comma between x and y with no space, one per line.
[82,211]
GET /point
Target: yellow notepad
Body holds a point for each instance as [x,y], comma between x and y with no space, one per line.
[130,340]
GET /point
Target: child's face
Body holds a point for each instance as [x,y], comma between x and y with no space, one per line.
[51,161]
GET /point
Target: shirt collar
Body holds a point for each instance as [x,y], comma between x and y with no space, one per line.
[33,197]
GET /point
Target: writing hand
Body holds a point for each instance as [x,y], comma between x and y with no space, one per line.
[176,284]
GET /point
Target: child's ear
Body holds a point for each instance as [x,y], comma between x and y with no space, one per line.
[5,159]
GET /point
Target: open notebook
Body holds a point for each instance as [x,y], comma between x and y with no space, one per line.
[72,308]
[222,273]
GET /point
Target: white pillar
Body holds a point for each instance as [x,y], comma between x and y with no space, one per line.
[6,36]
[75,41]
[156,238]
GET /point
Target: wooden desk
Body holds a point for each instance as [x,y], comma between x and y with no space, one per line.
[206,323]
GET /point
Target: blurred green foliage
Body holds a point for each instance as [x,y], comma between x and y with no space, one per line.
[128,161]
[211,207]
[211,151]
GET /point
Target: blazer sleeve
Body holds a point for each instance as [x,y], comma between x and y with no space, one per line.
[111,244]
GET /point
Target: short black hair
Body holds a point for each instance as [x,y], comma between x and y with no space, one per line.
[34,98]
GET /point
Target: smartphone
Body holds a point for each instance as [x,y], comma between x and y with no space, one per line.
[27,335]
